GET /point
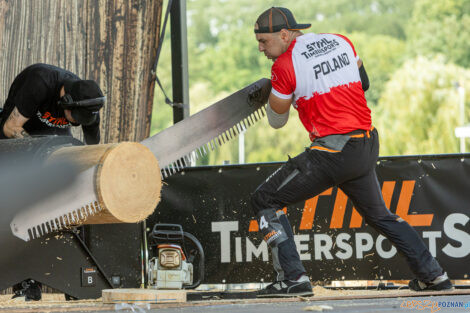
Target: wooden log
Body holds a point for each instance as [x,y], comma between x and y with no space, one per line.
[127,180]
[143,296]
[113,42]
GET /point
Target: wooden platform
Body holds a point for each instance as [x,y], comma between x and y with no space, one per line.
[55,303]
[143,296]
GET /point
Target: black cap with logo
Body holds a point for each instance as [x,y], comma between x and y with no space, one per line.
[84,98]
[275,19]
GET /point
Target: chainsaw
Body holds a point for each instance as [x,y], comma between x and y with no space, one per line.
[175,148]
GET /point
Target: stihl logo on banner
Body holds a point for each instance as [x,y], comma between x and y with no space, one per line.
[334,244]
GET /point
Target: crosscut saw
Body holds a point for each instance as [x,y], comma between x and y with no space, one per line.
[175,147]
[179,145]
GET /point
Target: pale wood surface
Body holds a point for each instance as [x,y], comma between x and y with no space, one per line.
[127,180]
[111,41]
[56,303]
[143,295]
[82,156]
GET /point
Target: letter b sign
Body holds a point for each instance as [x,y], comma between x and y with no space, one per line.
[88,276]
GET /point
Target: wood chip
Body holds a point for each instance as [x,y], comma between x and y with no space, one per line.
[318,308]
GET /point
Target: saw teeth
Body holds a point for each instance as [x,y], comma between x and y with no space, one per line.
[243,125]
[262,111]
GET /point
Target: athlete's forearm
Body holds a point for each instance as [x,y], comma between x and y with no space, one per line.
[13,127]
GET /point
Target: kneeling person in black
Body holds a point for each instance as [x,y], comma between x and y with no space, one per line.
[47,100]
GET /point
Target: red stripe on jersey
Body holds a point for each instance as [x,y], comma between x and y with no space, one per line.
[340,111]
[349,41]
[282,72]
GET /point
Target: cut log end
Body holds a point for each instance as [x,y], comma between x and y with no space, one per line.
[128,182]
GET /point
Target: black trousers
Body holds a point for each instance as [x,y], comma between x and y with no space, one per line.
[352,170]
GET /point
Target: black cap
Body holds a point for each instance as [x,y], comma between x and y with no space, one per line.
[83,112]
[275,19]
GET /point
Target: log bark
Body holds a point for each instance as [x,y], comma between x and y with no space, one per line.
[111,41]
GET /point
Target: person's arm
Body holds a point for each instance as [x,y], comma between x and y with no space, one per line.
[363,75]
[13,127]
[91,133]
[277,111]
[282,92]
[32,92]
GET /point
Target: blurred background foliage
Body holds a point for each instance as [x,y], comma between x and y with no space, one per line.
[415,52]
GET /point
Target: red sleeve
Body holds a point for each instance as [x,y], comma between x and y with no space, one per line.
[283,76]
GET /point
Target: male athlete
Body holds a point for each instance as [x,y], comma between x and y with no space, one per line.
[48,100]
[323,78]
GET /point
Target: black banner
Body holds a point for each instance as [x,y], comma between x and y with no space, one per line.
[432,193]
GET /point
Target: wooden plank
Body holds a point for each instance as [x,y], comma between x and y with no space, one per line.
[143,296]
[50,304]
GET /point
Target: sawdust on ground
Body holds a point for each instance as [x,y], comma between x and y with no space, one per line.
[48,300]
[58,300]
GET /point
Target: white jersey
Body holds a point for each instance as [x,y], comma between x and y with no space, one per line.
[320,72]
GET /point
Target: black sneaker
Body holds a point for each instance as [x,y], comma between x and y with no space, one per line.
[440,283]
[287,288]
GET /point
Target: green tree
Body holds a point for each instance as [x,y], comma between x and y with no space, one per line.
[223,57]
[419,109]
[441,27]
[381,55]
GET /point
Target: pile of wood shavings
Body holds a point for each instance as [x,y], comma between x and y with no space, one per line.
[319,291]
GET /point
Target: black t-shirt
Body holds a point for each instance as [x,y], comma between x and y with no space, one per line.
[35,92]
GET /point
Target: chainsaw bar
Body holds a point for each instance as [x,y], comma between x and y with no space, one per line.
[184,142]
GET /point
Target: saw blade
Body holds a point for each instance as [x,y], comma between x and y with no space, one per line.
[175,147]
[179,145]
[59,211]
